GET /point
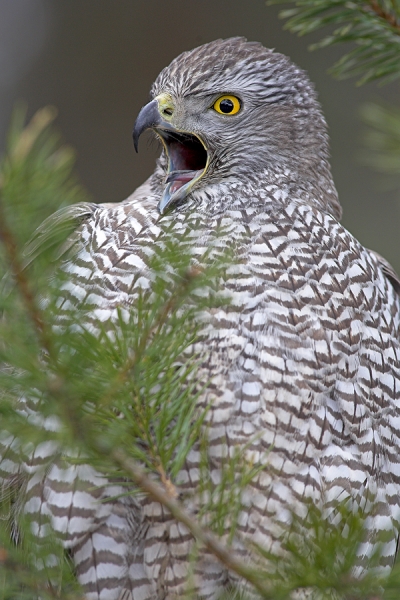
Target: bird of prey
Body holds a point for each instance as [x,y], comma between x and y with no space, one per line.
[302,364]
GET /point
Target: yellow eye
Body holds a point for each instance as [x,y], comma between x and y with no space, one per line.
[227,105]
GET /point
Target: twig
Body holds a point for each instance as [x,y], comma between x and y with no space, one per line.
[22,282]
[211,542]
[383,14]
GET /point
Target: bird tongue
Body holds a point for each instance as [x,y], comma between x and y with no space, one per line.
[179,178]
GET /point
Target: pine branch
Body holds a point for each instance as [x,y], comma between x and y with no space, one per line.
[372,25]
[23,284]
[391,18]
[206,538]
[64,385]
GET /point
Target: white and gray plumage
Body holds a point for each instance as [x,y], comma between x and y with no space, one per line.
[306,355]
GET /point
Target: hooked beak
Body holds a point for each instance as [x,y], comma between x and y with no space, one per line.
[148,118]
[187,154]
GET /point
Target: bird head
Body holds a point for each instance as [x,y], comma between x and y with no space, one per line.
[232,110]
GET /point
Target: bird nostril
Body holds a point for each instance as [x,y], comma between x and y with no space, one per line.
[168,111]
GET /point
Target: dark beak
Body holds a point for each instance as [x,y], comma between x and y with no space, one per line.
[149,117]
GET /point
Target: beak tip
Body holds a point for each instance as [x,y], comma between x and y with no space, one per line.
[147,118]
[135,138]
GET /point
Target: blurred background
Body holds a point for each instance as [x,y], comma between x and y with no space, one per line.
[96,59]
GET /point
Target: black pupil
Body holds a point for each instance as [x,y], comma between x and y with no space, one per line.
[226,106]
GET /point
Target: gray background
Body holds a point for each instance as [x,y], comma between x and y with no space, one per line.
[96,59]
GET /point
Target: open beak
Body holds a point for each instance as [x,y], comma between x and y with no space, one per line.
[187,154]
